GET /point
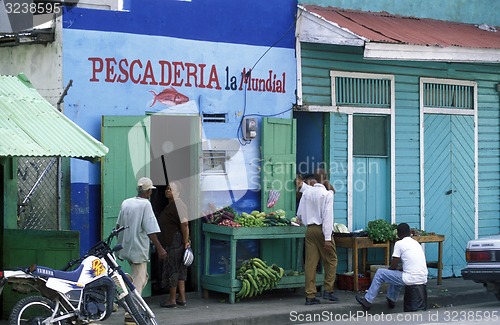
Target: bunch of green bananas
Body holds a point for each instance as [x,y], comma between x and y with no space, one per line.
[256,276]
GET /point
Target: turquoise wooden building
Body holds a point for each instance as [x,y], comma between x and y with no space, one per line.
[407,110]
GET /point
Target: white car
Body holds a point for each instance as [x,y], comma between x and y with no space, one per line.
[483,263]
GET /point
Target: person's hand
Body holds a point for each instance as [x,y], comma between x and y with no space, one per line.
[328,245]
[186,245]
[162,253]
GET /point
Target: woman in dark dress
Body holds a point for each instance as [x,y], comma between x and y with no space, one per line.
[173,221]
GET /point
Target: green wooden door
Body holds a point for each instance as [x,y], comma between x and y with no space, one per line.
[146,146]
[279,143]
[127,137]
[278,163]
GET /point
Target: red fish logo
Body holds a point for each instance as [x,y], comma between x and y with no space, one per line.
[169,97]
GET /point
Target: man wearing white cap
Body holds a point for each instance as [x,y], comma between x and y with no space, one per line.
[137,214]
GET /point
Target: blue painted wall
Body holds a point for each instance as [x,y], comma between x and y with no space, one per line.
[120,61]
[250,22]
[85,205]
[467,11]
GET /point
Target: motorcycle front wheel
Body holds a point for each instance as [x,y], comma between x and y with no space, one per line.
[137,310]
[32,310]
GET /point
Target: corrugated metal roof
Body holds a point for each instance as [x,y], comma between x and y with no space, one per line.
[31,126]
[383,27]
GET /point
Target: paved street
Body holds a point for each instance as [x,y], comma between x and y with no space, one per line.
[473,313]
[287,306]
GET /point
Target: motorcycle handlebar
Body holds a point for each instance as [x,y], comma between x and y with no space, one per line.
[115,232]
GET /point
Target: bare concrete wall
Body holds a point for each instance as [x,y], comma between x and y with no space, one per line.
[41,63]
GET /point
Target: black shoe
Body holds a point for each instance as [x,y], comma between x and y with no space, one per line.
[312,301]
[330,296]
[391,304]
[363,302]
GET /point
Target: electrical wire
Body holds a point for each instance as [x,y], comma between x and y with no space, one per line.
[275,43]
[270,115]
[247,75]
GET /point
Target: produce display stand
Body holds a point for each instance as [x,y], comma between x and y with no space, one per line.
[363,243]
[228,283]
[434,264]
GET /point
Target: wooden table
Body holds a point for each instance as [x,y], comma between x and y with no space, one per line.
[439,263]
[356,243]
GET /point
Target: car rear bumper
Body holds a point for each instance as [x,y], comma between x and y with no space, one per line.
[482,274]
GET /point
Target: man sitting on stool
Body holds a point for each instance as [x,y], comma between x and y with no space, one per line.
[410,253]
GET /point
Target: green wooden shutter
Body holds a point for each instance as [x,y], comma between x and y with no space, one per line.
[279,144]
[126,137]
[118,180]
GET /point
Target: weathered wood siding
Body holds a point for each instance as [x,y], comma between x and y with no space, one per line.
[338,165]
[317,61]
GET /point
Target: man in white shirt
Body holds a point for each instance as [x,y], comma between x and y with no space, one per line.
[414,271]
[316,213]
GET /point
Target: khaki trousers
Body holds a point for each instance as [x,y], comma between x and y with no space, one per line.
[139,275]
[314,248]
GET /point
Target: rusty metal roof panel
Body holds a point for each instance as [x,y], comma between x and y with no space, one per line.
[31,126]
[383,27]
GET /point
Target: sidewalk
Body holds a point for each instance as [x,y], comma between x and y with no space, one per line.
[287,306]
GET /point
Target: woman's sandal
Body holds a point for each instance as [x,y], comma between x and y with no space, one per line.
[180,303]
[167,305]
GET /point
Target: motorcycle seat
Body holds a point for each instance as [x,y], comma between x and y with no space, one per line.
[46,272]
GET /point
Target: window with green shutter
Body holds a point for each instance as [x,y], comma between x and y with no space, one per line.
[362,92]
[370,136]
[369,97]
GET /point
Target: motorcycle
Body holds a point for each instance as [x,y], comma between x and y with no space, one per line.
[80,296]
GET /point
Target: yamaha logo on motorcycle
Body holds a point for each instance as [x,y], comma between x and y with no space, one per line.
[45,271]
[83,295]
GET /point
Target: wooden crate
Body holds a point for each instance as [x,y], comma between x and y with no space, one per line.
[346,282]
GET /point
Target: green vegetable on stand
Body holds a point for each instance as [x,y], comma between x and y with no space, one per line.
[380,230]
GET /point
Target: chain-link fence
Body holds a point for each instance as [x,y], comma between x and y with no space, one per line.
[38,193]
